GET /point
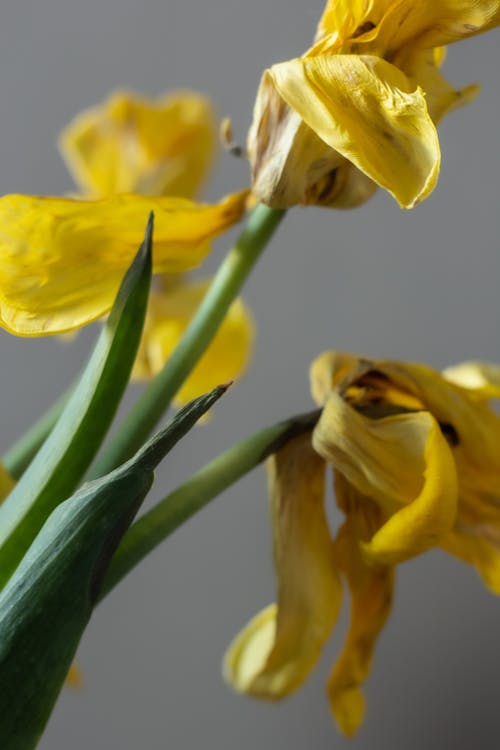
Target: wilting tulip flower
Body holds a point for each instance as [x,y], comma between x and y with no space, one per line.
[162,146]
[416,465]
[359,109]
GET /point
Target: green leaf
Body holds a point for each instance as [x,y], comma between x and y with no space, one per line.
[47,603]
[68,451]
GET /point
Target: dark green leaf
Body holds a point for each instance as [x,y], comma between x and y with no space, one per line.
[47,603]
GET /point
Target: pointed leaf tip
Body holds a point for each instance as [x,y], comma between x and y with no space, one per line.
[152,452]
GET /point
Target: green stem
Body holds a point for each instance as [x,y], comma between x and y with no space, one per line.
[171,512]
[20,455]
[230,277]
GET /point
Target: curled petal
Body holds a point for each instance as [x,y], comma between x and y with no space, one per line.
[420,525]
[328,369]
[368,111]
[371,589]
[62,260]
[129,144]
[402,460]
[170,310]
[468,420]
[275,653]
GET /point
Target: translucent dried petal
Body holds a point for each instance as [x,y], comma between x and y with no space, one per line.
[274,654]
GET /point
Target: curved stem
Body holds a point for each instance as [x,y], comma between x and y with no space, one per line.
[171,512]
[229,279]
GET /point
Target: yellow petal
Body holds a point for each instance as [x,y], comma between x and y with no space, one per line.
[130,144]
[62,260]
[481,378]
[327,371]
[169,313]
[402,460]
[367,110]
[371,596]
[470,423]
[6,482]
[422,68]
[428,23]
[274,654]
[341,18]
[290,165]
[420,525]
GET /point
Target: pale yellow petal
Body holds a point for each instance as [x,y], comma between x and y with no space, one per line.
[169,313]
[404,463]
[62,260]
[422,68]
[481,378]
[275,653]
[371,596]
[128,144]
[367,110]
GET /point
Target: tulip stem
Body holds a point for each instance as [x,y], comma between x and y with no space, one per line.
[226,285]
[181,504]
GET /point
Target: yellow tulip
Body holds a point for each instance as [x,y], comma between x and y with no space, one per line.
[359,109]
[416,465]
[165,147]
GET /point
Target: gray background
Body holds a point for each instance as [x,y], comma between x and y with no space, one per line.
[420,285]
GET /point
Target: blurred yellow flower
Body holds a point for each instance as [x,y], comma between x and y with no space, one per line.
[162,146]
[130,144]
[416,465]
[172,304]
[359,109]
